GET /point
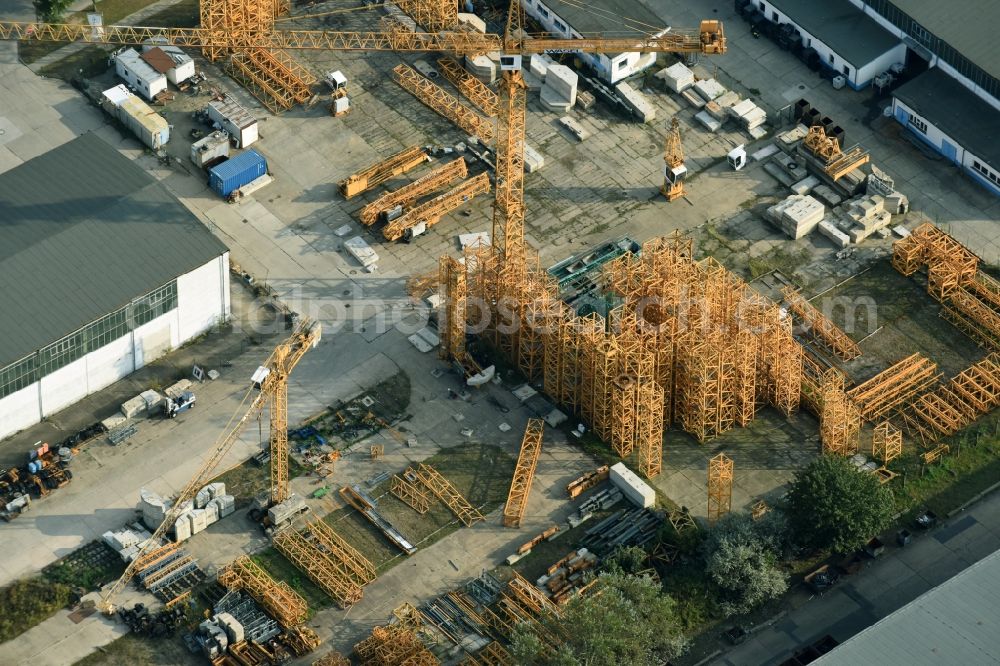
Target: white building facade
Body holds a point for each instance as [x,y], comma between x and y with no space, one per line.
[114,346]
[859,75]
[610,67]
[948,146]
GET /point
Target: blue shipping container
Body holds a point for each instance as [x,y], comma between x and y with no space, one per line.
[236,172]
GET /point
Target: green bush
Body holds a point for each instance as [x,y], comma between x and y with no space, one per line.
[25,603]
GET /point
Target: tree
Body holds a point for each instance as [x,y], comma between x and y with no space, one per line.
[51,11]
[833,505]
[624,619]
[741,558]
[627,559]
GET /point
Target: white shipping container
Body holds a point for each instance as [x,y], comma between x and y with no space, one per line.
[151,128]
[232,117]
[633,488]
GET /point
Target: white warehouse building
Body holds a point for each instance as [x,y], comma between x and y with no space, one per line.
[848,41]
[957,123]
[578,20]
[103,272]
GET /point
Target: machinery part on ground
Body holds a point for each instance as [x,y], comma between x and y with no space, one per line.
[407,195]
[429,213]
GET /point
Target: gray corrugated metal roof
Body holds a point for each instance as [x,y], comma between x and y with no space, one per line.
[612,18]
[956,111]
[969,26]
[954,623]
[83,231]
[851,33]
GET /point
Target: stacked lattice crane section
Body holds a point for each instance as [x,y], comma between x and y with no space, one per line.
[690,343]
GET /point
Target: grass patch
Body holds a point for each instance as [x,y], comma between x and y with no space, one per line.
[972,466]
[354,420]
[181,15]
[88,62]
[786,261]
[26,602]
[131,649]
[480,472]
[280,568]
[114,11]
[88,567]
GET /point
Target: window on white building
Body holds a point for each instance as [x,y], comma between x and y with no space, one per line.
[155,303]
[18,376]
[985,171]
[919,33]
[543,11]
[847,71]
[918,124]
[560,25]
[831,58]
[774,16]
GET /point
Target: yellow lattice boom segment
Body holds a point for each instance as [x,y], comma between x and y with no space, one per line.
[709,39]
[448,494]
[378,173]
[894,386]
[472,88]
[445,104]
[410,494]
[840,419]
[319,567]
[825,331]
[524,473]
[887,442]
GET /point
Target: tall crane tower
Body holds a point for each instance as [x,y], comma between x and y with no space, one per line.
[270,386]
[674,170]
[271,379]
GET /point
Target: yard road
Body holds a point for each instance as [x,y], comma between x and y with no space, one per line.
[899,577]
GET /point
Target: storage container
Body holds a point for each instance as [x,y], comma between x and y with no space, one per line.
[234,173]
[232,117]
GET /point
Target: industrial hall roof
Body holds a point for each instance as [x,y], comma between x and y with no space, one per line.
[852,34]
[955,110]
[83,231]
[611,18]
[954,623]
[968,26]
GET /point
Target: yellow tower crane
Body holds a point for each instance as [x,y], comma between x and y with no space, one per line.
[674,170]
[270,386]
